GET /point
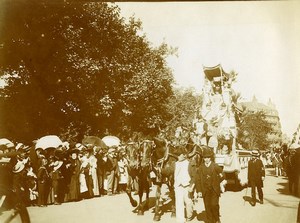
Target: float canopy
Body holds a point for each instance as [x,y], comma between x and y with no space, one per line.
[215,73]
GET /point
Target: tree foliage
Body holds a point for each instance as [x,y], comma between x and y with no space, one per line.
[78,68]
[182,107]
[253,130]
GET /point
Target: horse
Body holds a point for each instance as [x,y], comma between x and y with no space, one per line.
[194,153]
[138,155]
[163,159]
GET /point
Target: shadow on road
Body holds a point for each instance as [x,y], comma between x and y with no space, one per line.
[201,216]
[234,187]
[247,199]
[284,188]
[270,172]
[165,208]
[279,204]
[151,204]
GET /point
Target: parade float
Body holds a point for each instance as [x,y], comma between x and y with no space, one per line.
[216,122]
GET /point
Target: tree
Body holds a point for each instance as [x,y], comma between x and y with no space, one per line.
[78,68]
[182,107]
[253,130]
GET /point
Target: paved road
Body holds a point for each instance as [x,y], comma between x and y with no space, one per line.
[279,207]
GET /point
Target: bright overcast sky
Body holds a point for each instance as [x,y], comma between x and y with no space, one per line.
[258,40]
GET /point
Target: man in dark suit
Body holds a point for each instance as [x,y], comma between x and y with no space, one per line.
[256,175]
[111,164]
[210,176]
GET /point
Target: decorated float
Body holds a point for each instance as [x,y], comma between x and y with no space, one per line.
[216,122]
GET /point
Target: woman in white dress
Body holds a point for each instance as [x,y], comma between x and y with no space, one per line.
[123,172]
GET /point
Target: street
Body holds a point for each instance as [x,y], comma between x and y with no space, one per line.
[278,207]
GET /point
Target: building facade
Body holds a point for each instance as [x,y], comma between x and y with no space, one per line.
[272,116]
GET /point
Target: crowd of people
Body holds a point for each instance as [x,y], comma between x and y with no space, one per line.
[53,176]
[74,172]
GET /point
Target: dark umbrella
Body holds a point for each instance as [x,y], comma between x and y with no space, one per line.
[94,140]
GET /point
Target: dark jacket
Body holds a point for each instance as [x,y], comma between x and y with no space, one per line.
[42,175]
[193,172]
[111,164]
[217,178]
[256,171]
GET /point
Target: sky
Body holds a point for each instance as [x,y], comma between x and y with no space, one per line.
[258,40]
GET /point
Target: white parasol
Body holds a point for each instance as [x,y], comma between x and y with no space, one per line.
[111,141]
[49,141]
[6,142]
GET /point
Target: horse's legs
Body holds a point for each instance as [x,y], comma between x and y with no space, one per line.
[128,192]
[144,185]
[172,196]
[141,191]
[147,188]
[157,203]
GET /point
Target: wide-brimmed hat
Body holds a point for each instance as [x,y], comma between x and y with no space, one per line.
[66,145]
[207,152]
[21,146]
[122,151]
[73,150]
[255,153]
[111,150]
[18,167]
[79,146]
[57,164]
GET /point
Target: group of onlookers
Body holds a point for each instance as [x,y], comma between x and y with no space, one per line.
[52,176]
[285,163]
[55,175]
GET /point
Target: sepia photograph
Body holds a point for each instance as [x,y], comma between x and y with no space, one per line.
[149,111]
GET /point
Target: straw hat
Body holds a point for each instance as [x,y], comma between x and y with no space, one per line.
[21,146]
[57,164]
[255,153]
[18,167]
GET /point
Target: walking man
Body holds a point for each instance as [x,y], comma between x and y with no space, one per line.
[256,175]
[210,177]
[183,187]
[111,172]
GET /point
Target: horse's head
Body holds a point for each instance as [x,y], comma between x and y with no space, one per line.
[195,154]
[165,150]
[160,148]
[176,150]
[190,145]
[132,154]
[146,149]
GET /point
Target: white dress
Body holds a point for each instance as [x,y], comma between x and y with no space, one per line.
[82,180]
[123,172]
[93,173]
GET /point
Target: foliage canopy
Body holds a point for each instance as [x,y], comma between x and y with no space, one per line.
[78,68]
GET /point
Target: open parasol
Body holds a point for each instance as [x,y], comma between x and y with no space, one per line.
[49,141]
[111,141]
[6,142]
[93,140]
